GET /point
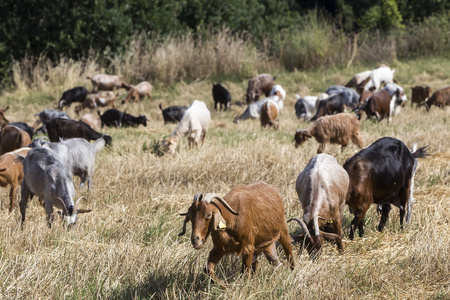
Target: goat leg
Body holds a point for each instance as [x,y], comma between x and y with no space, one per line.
[213,260]
[12,194]
[386,208]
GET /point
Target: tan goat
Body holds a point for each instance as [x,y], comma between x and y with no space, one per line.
[269,115]
[139,91]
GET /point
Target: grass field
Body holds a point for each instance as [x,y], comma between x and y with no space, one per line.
[128,248]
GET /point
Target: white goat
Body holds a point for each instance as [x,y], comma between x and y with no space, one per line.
[253,111]
[379,76]
[46,177]
[77,154]
[321,188]
[279,91]
[194,124]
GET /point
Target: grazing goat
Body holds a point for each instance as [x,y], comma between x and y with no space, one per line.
[222,96]
[91,120]
[115,118]
[12,138]
[335,129]
[173,114]
[46,177]
[258,85]
[66,129]
[3,120]
[420,94]
[94,101]
[106,82]
[440,98]
[254,110]
[306,107]
[246,222]
[321,188]
[332,105]
[77,154]
[350,96]
[380,106]
[194,124]
[77,94]
[357,79]
[269,115]
[363,98]
[383,174]
[11,173]
[139,91]
[24,126]
[379,76]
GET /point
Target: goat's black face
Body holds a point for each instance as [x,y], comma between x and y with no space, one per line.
[201,215]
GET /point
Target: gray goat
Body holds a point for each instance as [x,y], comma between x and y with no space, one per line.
[77,154]
[46,177]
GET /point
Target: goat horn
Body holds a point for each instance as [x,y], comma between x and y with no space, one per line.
[66,212]
[198,197]
[78,201]
[316,225]
[302,225]
[208,197]
[329,235]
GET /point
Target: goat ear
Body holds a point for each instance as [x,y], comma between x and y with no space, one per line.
[219,222]
[307,134]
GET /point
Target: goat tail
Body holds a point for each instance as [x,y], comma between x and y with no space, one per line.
[160,107]
[99,144]
[420,152]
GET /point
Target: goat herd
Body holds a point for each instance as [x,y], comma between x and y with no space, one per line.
[250,218]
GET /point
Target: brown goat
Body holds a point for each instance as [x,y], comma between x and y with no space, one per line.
[334,129]
[378,106]
[420,94]
[139,91]
[440,98]
[11,172]
[258,85]
[91,120]
[12,138]
[269,114]
[246,222]
[104,82]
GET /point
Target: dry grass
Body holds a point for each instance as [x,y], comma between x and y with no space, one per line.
[128,246]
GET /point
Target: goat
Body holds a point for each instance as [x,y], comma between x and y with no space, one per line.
[279,91]
[3,120]
[258,85]
[77,154]
[173,114]
[11,173]
[115,118]
[306,107]
[321,188]
[45,176]
[382,173]
[77,94]
[139,91]
[91,120]
[246,222]
[12,138]
[335,129]
[194,124]
[419,95]
[357,79]
[381,105]
[440,98]
[66,129]
[106,82]
[46,116]
[94,101]
[254,109]
[222,96]
[269,114]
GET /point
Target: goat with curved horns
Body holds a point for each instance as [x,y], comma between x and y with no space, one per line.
[246,222]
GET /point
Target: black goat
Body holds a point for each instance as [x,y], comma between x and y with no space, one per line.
[66,129]
[115,118]
[221,95]
[77,94]
[173,114]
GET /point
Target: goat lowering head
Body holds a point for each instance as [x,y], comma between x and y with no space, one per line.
[205,217]
[301,136]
